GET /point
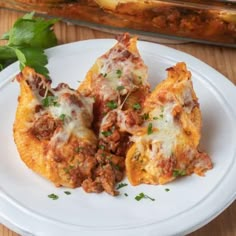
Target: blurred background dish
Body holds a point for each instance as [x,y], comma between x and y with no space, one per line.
[212,22]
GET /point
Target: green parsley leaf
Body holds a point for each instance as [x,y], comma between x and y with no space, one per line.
[137,106]
[155,118]
[107,133]
[7,56]
[167,189]
[115,166]
[149,129]
[112,105]
[29,16]
[21,57]
[104,75]
[121,185]
[68,169]
[119,88]
[177,173]
[27,40]
[5,36]
[119,73]
[37,59]
[62,117]
[145,116]
[78,149]
[101,147]
[49,101]
[67,192]
[126,194]
[142,196]
[53,196]
[33,32]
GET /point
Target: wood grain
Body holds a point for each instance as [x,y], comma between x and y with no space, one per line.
[221,58]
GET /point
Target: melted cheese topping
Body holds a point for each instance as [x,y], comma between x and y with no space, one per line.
[76,115]
[117,69]
[76,119]
[160,138]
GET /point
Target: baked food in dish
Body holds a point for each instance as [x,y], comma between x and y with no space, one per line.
[52,130]
[166,145]
[195,20]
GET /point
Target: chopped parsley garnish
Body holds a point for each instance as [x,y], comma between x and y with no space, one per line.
[155,118]
[68,169]
[126,194]
[145,116]
[78,149]
[177,173]
[121,185]
[53,196]
[142,196]
[112,104]
[115,166]
[67,192]
[161,116]
[103,154]
[137,106]
[62,117]
[101,147]
[119,73]
[50,101]
[149,129]
[104,75]
[119,88]
[107,133]
[167,189]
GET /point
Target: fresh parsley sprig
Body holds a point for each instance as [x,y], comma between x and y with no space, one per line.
[27,40]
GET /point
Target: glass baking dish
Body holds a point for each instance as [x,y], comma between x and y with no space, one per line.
[212,22]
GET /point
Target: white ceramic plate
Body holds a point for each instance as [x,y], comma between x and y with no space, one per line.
[191,202]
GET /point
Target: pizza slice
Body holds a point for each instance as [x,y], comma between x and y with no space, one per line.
[166,145]
[52,130]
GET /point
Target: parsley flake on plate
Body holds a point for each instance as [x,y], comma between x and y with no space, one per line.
[53,196]
[143,196]
[67,192]
[121,185]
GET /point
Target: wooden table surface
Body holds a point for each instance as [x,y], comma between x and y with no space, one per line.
[220,58]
